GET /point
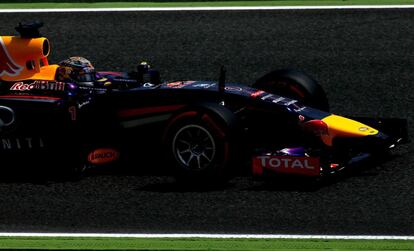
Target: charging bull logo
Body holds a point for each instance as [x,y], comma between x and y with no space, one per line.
[7,64]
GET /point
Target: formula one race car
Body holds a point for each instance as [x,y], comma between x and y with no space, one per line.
[73,117]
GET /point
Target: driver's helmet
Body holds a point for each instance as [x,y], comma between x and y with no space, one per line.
[76,69]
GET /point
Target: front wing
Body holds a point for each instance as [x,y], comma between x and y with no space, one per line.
[346,152]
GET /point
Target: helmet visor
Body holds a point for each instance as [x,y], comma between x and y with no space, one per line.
[86,77]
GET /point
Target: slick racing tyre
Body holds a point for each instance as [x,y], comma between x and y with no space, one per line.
[199,144]
[294,84]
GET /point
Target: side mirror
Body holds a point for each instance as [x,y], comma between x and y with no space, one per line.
[147,75]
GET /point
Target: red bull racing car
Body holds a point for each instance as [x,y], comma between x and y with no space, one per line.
[72,117]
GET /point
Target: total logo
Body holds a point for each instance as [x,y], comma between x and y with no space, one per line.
[103,156]
[288,164]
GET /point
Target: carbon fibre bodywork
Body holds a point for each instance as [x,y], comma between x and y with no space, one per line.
[51,124]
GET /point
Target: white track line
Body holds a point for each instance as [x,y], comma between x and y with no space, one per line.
[220,236]
[209,8]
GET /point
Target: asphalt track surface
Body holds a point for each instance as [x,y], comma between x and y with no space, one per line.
[364,59]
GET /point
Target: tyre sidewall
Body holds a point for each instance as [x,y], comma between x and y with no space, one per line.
[217,171]
[294,84]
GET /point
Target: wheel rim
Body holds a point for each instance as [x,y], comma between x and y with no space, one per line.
[194,147]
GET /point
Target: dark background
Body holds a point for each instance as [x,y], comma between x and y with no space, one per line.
[363,58]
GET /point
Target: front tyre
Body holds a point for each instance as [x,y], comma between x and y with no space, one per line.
[194,147]
[198,145]
[294,84]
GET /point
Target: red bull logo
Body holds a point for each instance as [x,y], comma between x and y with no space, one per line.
[7,65]
[38,85]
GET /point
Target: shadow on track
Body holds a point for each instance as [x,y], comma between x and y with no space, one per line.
[167,183]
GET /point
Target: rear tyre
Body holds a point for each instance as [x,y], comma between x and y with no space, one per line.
[296,85]
[198,144]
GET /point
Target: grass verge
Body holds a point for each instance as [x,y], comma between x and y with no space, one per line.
[60,243]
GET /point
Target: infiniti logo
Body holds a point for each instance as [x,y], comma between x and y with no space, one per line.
[7,117]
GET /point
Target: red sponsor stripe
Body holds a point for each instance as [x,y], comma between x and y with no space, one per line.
[148,110]
[114,73]
[308,166]
[257,93]
[296,90]
[214,125]
[183,115]
[257,167]
[29,97]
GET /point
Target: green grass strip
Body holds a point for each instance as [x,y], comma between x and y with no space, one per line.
[184,3]
[61,243]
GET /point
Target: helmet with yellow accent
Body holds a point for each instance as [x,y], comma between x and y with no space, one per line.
[76,69]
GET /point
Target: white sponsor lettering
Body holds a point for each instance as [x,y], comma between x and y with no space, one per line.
[274,162]
[80,105]
[278,100]
[18,145]
[205,85]
[6,143]
[41,144]
[21,143]
[29,142]
[267,96]
[263,160]
[38,85]
[300,109]
[291,102]
[280,162]
[233,88]
[20,86]
[298,164]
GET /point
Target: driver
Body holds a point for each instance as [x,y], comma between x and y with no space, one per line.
[77,70]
